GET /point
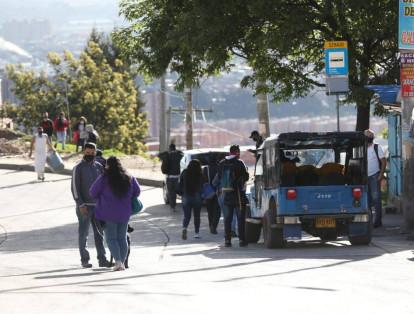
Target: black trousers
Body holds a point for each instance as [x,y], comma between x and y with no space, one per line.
[240,208]
[214,212]
[172,186]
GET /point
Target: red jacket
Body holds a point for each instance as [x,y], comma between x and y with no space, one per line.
[62,127]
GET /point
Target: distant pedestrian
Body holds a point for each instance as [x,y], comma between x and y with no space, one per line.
[114,191]
[232,174]
[171,167]
[83,176]
[376,169]
[40,143]
[61,125]
[80,134]
[258,139]
[92,135]
[191,181]
[47,125]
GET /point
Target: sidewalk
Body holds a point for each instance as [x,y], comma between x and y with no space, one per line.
[147,173]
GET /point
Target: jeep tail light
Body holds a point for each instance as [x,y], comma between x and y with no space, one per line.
[291,194]
[357,193]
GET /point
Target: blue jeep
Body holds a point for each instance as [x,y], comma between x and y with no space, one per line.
[312,182]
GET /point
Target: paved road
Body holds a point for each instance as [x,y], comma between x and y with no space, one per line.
[40,273]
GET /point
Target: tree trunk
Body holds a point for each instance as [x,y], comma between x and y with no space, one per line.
[263,111]
[363,111]
[189,117]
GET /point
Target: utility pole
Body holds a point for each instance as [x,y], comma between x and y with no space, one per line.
[262,109]
[162,122]
[189,117]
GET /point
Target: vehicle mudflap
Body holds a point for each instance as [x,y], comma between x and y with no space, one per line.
[358,228]
[292,231]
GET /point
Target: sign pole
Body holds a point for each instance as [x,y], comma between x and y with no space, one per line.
[406,47]
[337,112]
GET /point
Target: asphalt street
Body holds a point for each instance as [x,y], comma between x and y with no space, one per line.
[40,268]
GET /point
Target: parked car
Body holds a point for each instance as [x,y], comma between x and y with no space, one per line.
[207,157]
[312,182]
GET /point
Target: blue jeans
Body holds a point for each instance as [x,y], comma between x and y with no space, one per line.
[224,211]
[116,238]
[374,197]
[192,203]
[83,231]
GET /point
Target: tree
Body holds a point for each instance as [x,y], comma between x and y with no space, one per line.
[112,53]
[92,89]
[281,39]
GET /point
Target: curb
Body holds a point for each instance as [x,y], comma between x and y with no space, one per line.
[68,172]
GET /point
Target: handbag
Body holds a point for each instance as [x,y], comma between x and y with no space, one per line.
[136,206]
[207,191]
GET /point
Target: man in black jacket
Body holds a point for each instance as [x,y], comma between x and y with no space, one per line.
[232,175]
[171,167]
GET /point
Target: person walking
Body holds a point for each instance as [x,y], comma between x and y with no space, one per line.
[114,191]
[376,169]
[40,143]
[84,175]
[47,125]
[191,181]
[92,135]
[233,175]
[171,167]
[81,133]
[61,125]
[212,203]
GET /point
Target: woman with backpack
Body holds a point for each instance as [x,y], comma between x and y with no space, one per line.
[114,191]
[191,182]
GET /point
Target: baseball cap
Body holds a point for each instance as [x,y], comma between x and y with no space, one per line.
[254,133]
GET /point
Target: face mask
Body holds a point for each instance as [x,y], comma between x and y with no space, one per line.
[40,133]
[88,158]
[370,140]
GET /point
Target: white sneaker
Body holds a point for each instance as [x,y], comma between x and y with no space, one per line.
[118,266]
[197,236]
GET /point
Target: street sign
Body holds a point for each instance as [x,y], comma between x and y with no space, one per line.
[406,25]
[336,58]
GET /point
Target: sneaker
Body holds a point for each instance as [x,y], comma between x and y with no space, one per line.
[197,236]
[105,263]
[86,265]
[242,243]
[213,230]
[227,243]
[184,234]
[118,266]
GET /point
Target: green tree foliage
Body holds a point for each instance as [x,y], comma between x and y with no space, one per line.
[281,39]
[90,87]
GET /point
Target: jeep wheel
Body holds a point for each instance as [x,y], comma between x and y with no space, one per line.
[273,236]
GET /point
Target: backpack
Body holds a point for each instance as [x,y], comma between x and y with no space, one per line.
[227,177]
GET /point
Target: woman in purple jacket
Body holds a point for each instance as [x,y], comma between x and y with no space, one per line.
[114,191]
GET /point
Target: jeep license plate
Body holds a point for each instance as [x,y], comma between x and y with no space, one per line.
[325,223]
